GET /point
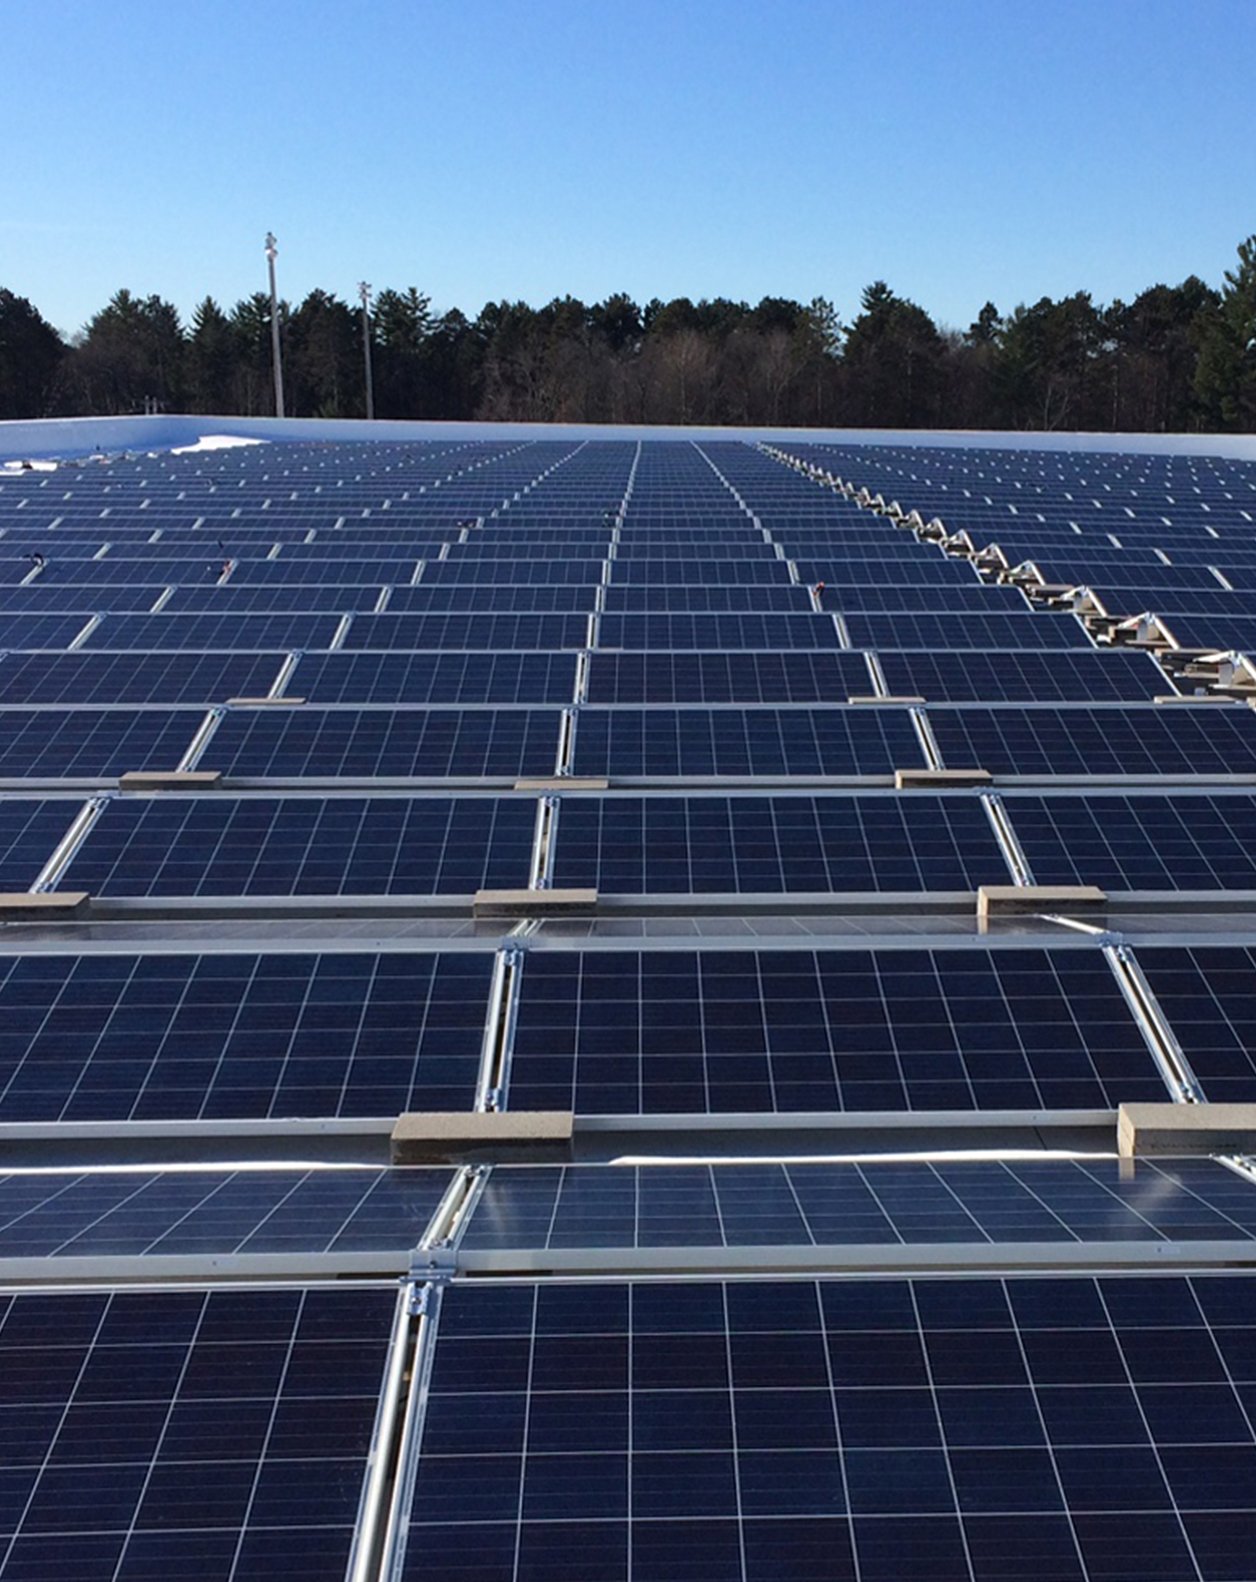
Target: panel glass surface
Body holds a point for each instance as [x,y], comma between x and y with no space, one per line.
[1022,676]
[93,743]
[185,1213]
[409,743]
[1055,1430]
[726,1031]
[892,1204]
[434,678]
[227,1037]
[214,1435]
[675,845]
[727,678]
[261,846]
[836,741]
[136,678]
[1101,741]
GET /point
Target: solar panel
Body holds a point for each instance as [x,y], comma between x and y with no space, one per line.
[851,1431]
[42,631]
[136,678]
[260,846]
[679,845]
[717,631]
[280,598]
[1079,1201]
[93,743]
[722,1032]
[495,598]
[747,677]
[29,834]
[371,743]
[1208,994]
[382,678]
[224,1213]
[1022,676]
[468,631]
[213,631]
[187,1433]
[1189,841]
[622,598]
[690,742]
[239,1036]
[1097,741]
[965,631]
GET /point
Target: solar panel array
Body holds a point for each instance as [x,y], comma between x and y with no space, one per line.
[649,787]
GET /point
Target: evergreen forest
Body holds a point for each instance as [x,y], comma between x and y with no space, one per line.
[1175,359]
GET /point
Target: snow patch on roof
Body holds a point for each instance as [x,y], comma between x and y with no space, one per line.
[216,442]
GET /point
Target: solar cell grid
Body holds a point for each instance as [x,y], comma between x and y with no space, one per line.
[1023,676]
[135,678]
[261,846]
[879,1204]
[382,678]
[739,742]
[30,832]
[1187,841]
[724,1032]
[237,1037]
[364,744]
[677,845]
[970,630]
[468,631]
[210,631]
[93,743]
[1074,740]
[748,677]
[659,631]
[727,598]
[104,1213]
[187,1433]
[1070,1430]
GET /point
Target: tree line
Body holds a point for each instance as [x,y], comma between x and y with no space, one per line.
[1176,358]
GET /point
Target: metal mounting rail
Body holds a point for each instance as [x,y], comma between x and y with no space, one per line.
[1168,1054]
[499,1031]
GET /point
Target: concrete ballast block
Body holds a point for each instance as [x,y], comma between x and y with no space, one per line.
[1185,1129]
[940,779]
[1007,899]
[20,906]
[532,903]
[421,1137]
[561,783]
[174,780]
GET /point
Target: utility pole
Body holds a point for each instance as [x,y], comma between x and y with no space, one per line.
[276,357]
[364,292]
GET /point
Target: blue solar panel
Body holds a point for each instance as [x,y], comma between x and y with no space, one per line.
[1023,676]
[29,834]
[41,631]
[1098,741]
[717,631]
[726,599]
[187,1433]
[495,598]
[434,678]
[236,1037]
[105,1213]
[747,677]
[729,1031]
[213,631]
[262,846]
[282,598]
[408,743]
[468,631]
[136,678]
[1187,841]
[878,1204]
[1208,994]
[93,743]
[965,631]
[1066,1430]
[677,845]
[671,742]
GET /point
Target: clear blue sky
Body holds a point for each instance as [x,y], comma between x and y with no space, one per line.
[479,149]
